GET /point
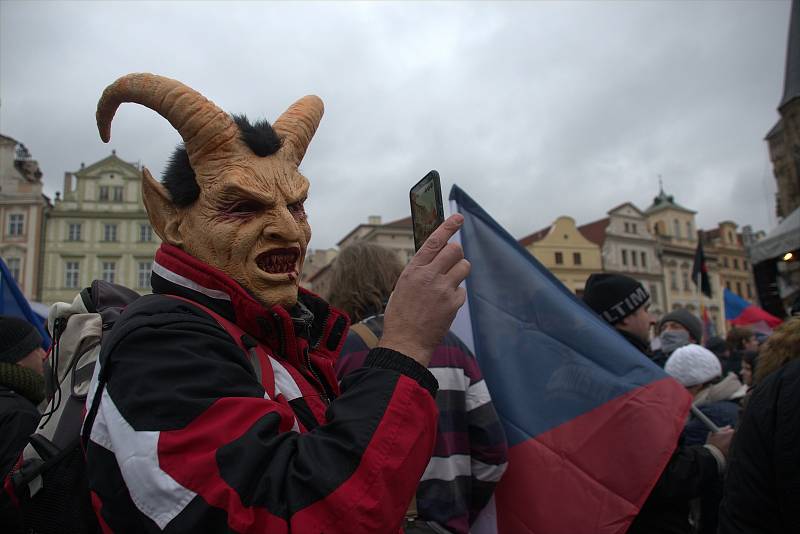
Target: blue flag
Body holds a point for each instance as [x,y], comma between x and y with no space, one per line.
[13,302]
[591,422]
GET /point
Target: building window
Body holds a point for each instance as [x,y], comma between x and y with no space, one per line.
[654,293]
[689,232]
[728,285]
[677,227]
[118,193]
[725,261]
[145,232]
[559,258]
[736,263]
[685,276]
[16,223]
[744,265]
[634,260]
[15,267]
[730,237]
[74,232]
[644,259]
[108,271]
[104,192]
[633,228]
[143,274]
[624,257]
[576,258]
[749,291]
[627,228]
[71,274]
[738,288]
[109,232]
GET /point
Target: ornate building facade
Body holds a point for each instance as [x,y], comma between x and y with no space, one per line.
[674,228]
[629,248]
[99,229]
[784,138]
[22,216]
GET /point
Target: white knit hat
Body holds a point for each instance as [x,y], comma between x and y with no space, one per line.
[692,365]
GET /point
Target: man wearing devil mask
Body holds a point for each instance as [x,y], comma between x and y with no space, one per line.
[215,407]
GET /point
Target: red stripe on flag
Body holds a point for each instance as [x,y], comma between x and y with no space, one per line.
[593,473]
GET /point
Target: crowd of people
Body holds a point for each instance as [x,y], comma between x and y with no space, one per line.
[736,468]
[232,400]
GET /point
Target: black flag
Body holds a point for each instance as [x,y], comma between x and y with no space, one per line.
[700,268]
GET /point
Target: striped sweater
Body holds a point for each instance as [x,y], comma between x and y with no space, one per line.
[470,452]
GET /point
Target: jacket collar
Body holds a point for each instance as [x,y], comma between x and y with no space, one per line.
[313,324]
[636,342]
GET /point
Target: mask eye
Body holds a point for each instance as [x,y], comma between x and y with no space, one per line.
[244,207]
[297,209]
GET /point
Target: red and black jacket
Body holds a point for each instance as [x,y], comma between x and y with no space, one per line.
[196,431]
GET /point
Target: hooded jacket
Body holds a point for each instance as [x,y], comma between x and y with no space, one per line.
[198,432]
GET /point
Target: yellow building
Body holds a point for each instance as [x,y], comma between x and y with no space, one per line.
[674,227]
[99,230]
[564,250]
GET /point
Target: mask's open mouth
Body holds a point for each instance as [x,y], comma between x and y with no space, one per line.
[279,260]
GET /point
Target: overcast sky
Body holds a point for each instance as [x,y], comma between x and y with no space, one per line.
[535,109]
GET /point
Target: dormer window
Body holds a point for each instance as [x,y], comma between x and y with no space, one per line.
[104,193]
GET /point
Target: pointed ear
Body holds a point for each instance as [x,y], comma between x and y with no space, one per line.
[162,212]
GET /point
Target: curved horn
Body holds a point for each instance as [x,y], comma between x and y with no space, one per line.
[206,130]
[297,125]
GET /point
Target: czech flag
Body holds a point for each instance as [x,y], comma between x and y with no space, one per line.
[591,422]
[740,312]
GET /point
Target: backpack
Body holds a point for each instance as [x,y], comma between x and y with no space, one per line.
[53,485]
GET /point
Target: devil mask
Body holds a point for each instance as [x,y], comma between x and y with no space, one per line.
[233,196]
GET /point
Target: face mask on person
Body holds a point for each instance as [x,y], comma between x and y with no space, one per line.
[673,339]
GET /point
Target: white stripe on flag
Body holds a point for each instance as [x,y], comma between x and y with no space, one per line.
[462,324]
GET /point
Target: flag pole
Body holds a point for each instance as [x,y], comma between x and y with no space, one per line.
[697,285]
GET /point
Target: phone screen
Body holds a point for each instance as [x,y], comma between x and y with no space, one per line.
[427,212]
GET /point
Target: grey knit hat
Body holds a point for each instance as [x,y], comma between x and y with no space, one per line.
[686,319]
[18,338]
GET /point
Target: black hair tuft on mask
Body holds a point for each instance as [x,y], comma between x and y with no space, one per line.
[260,137]
[179,178]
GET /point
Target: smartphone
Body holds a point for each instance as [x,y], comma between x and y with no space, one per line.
[427,212]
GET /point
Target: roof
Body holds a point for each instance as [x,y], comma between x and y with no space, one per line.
[400,223]
[664,201]
[534,237]
[631,204]
[7,138]
[113,158]
[405,222]
[791,81]
[783,238]
[778,128]
[317,274]
[596,231]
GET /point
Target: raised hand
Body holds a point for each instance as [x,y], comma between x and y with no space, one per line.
[427,295]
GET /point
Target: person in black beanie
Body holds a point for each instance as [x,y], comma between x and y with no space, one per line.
[21,390]
[692,471]
[624,304]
